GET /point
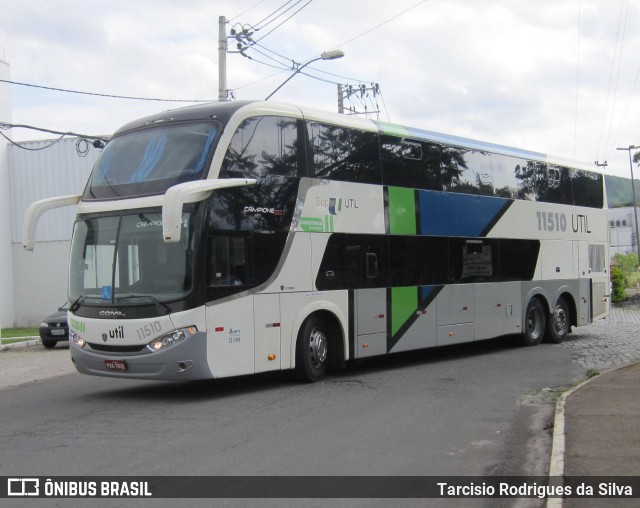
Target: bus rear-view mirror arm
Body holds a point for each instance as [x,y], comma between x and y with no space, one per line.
[190,192]
[35,211]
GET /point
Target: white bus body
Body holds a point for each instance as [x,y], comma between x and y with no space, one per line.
[238,238]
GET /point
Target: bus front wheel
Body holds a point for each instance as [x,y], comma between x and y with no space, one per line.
[534,323]
[312,351]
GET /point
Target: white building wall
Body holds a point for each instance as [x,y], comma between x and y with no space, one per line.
[41,280]
[622,232]
[37,174]
[6,257]
[41,276]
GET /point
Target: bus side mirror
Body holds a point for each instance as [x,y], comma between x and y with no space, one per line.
[35,211]
[191,192]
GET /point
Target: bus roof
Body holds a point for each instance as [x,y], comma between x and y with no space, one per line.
[223,111]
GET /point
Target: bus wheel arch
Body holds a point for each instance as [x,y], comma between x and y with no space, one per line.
[562,316]
[535,321]
[319,345]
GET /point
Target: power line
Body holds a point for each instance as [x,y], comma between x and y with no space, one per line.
[575,123]
[257,25]
[615,93]
[82,144]
[259,80]
[613,65]
[380,24]
[278,26]
[249,9]
[95,94]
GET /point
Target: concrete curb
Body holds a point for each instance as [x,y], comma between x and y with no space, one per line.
[556,466]
[33,341]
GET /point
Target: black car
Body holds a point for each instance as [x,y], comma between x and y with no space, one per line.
[54,328]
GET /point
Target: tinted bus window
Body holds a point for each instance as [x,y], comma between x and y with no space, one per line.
[418,260]
[338,153]
[407,163]
[149,161]
[587,189]
[466,171]
[554,185]
[265,145]
[505,180]
[353,261]
[237,261]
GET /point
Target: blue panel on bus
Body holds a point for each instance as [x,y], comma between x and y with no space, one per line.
[426,293]
[450,214]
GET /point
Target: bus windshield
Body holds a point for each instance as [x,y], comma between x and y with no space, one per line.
[149,161]
[123,260]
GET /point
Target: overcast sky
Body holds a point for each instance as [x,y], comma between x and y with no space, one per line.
[555,76]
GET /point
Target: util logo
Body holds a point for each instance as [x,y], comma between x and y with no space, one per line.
[117,333]
[336,204]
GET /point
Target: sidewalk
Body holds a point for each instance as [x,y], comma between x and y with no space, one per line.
[20,364]
[597,423]
[31,341]
[597,433]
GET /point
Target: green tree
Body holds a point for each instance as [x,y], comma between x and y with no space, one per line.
[628,263]
[619,285]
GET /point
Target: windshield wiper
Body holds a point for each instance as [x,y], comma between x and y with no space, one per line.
[152,298]
[76,305]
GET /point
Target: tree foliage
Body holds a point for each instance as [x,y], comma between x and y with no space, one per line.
[628,263]
[618,285]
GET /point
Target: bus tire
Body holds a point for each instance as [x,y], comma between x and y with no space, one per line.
[312,351]
[559,322]
[534,323]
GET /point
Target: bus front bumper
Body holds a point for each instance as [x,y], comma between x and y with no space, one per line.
[186,361]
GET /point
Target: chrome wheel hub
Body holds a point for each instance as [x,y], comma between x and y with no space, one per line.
[317,348]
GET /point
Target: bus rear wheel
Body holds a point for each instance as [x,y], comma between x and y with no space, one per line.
[559,322]
[312,351]
[534,323]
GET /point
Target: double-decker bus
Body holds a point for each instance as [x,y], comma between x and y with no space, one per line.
[236,238]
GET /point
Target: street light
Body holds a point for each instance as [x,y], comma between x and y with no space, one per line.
[327,55]
[633,190]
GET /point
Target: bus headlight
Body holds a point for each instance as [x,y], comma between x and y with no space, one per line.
[79,341]
[170,339]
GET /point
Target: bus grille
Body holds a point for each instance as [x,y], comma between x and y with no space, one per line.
[103,348]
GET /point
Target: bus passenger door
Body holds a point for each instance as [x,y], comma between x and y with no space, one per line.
[267,332]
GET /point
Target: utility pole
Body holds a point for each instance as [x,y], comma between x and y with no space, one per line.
[222,59]
[363,93]
[633,190]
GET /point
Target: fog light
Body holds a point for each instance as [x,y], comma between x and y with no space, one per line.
[185,365]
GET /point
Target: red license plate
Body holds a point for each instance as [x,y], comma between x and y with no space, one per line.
[115,364]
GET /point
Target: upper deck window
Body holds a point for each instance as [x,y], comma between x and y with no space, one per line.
[149,161]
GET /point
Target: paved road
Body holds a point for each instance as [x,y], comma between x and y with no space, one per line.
[608,343]
[605,344]
[469,410]
[20,366]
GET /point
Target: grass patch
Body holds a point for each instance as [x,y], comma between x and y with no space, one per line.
[12,333]
[592,373]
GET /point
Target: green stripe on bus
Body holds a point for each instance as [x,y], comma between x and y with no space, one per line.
[402,211]
[328,223]
[404,303]
[394,130]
